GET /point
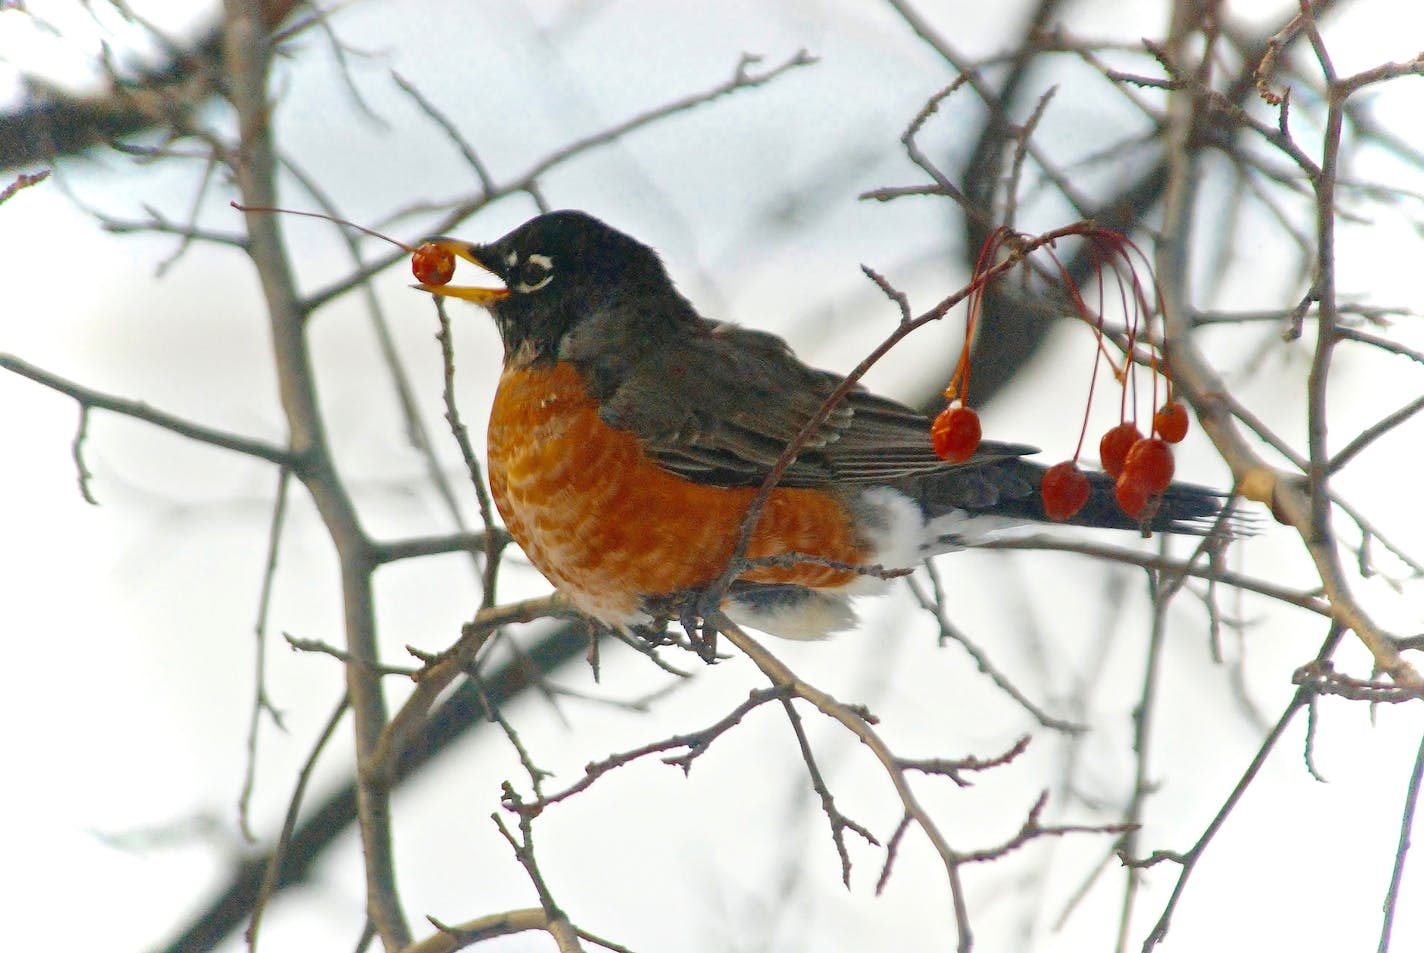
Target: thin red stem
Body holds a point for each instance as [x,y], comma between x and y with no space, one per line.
[324,217]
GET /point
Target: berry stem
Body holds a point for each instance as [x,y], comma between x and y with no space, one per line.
[324,217]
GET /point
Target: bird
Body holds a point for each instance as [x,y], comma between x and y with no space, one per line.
[629,434]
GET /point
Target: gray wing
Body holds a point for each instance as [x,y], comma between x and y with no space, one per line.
[720,407]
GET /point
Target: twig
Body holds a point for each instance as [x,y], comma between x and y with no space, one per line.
[496,715]
[93,399]
[76,450]
[319,647]
[838,821]
[22,181]
[436,676]
[693,745]
[1033,829]
[289,824]
[1312,721]
[1024,134]
[527,182]
[452,132]
[1406,825]
[558,926]
[954,769]
[450,938]
[892,850]
[260,700]
[1142,784]
[492,536]
[1320,678]
[949,632]
[414,547]
[779,675]
[160,224]
[1373,432]
[1188,860]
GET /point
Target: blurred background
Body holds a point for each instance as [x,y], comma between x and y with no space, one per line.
[129,627]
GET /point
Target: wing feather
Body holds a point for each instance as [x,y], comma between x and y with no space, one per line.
[719,407]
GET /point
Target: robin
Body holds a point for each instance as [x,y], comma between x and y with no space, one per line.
[629,435]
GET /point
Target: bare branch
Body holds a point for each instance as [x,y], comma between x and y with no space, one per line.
[289,823]
[261,702]
[528,181]
[948,632]
[1188,861]
[450,938]
[693,745]
[558,926]
[89,398]
[436,676]
[22,181]
[1406,825]
[472,465]
[1034,829]
[839,822]
[782,677]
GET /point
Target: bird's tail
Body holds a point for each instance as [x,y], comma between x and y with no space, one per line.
[1006,493]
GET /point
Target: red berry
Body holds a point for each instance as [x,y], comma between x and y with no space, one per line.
[1131,495]
[432,264]
[1064,489]
[1170,423]
[956,434]
[1112,449]
[1150,463]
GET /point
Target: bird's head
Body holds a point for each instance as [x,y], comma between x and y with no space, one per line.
[561,271]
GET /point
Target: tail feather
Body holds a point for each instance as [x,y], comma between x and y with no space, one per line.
[1010,489]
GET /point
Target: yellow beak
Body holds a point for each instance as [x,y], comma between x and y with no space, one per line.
[485,297]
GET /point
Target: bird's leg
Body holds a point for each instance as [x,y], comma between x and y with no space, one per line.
[660,610]
[701,633]
[654,633]
[689,608]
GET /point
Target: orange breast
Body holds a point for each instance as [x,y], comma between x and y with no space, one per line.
[608,526]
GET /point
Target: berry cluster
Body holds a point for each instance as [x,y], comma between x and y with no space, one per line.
[1142,466]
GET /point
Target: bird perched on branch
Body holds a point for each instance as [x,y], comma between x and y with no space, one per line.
[629,435]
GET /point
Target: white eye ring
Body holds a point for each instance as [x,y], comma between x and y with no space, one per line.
[543,264]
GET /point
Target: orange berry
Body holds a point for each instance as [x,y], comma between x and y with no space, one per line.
[956,433]
[1170,423]
[1131,495]
[432,264]
[1150,463]
[1064,489]
[1112,449]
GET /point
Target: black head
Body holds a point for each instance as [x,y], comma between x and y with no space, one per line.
[560,270]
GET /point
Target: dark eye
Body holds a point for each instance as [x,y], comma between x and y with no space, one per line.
[534,272]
